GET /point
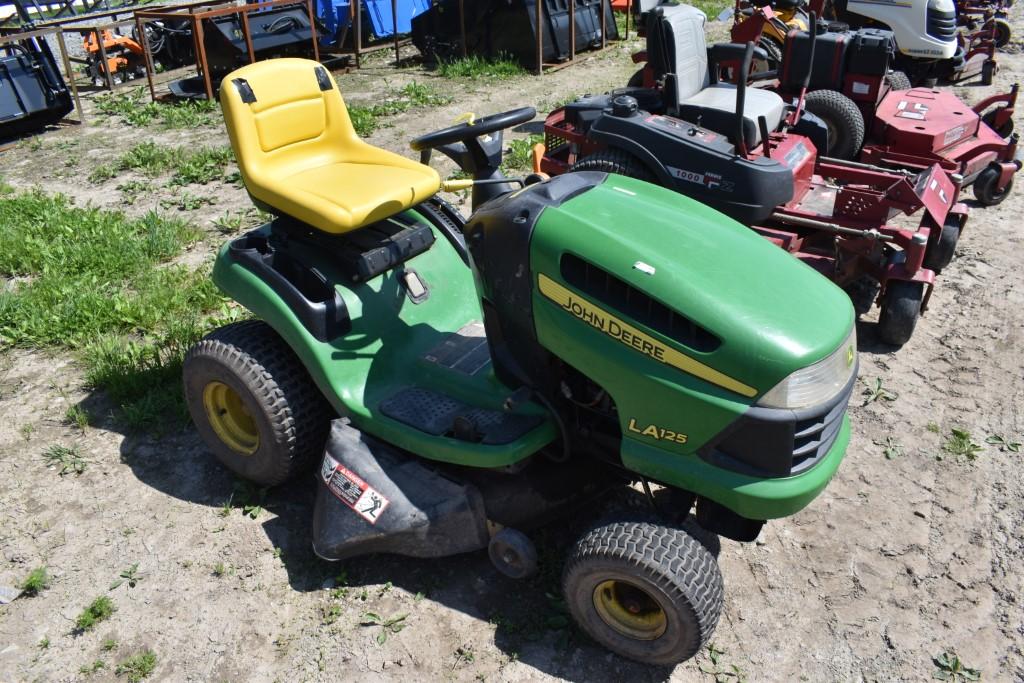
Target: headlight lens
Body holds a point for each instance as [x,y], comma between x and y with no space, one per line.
[816,383]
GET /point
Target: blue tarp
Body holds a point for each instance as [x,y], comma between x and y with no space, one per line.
[335,15]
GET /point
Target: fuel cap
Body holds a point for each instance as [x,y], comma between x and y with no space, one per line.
[624,106]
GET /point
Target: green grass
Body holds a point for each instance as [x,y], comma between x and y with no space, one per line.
[36,582]
[519,156]
[98,610]
[961,444]
[137,667]
[135,109]
[365,118]
[479,68]
[202,165]
[98,282]
[66,460]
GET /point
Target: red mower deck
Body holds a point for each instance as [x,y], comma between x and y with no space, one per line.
[920,127]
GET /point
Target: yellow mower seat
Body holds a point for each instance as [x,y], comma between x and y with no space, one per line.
[299,154]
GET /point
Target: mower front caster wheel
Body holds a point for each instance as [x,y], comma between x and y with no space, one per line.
[940,252]
[513,554]
[986,186]
[901,307]
[647,592]
[253,403]
[988,72]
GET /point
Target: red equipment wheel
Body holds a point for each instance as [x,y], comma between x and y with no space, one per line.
[986,186]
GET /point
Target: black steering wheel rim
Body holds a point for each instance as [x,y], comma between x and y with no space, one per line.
[461,132]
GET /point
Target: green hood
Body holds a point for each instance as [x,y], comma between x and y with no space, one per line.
[772,313]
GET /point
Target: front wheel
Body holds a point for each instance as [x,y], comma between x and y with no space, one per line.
[901,308]
[941,251]
[986,186]
[644,591]
[988,72]
[254,404]
[843,119]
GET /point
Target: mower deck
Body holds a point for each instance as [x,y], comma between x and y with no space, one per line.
[920,127]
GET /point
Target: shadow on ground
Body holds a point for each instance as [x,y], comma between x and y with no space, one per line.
[531,623]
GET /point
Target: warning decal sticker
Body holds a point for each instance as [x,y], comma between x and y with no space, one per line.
[351,490]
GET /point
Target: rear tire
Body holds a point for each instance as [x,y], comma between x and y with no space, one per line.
[615,161]
[636,80]
[899,81]
[253,403]
[901,308]
[1003,31]
[773,49]
[844,121]
[940,253]
[986,186]
[647,592]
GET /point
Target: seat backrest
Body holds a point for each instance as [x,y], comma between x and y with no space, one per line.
[676,42]
[283,115]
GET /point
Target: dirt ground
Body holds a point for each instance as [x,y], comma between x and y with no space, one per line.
[898,560]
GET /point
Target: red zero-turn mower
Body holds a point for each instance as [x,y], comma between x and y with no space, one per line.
[747,153]
[853,91]
[869,110]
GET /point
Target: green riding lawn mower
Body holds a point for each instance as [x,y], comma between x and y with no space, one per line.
[574,337]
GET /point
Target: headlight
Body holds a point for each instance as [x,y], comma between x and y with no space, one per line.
[816,383]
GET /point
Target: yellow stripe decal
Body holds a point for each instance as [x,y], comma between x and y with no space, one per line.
[626,334]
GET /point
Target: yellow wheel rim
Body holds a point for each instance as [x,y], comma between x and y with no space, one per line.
[229,418]
[629,610]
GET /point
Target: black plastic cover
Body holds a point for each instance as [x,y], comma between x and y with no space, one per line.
[828,67]
[498,236]
[699,163]
[776,442]
[871,52]
[509,28]
[313,300]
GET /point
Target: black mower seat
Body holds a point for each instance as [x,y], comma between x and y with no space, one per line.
[675,43]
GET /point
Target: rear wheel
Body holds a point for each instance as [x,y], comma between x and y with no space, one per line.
[773,48]
[615,161]
[253,403]
[899,81]
[646,592]
[1003,32]
[636,80]
[940,252]
[901,308]
[986,186]
[844,121]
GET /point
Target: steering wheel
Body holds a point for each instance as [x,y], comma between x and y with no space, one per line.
[465,131]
